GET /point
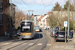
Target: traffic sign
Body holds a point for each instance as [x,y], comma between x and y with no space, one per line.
[65,23]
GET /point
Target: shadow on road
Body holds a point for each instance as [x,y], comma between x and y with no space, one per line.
[38,36]
[61,41]
[6,38]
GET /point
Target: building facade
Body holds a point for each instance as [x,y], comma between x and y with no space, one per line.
[5,16]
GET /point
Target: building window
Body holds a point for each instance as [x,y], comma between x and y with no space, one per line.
[1,10]
[0,19]
[0,5]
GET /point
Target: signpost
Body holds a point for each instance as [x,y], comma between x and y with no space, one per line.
[65,25]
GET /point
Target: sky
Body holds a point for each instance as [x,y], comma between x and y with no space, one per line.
[39,7]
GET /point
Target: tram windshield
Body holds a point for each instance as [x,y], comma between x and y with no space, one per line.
[25,27]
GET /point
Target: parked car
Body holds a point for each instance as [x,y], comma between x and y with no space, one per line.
[13,34]
[18,32]
[60,36]
[52,32]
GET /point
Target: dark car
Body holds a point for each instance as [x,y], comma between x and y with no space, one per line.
[18,32]
[60,36]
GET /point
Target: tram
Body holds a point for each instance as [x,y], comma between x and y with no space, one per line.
[27,29]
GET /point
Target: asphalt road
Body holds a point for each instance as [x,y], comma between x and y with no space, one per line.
[40,42]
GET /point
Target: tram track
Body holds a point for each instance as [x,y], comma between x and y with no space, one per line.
[32,45]
[27,44]
[9,43]
[39,43]
[31,42]
[7,47]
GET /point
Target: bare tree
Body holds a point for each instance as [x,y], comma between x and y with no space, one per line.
[19,16]
[52,20]
[16,15]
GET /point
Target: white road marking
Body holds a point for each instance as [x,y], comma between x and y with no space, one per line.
[31,43]
[24,43]
[5,43]
[39,44]
[48,44]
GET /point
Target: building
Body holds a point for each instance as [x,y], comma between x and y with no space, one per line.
[42,21]
[35,18]
[13,13]
[5,17]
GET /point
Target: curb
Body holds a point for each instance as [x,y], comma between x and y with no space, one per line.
[74,37]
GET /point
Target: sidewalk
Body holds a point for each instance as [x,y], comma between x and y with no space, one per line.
[70,45]
[72,40]
[4,38]
[69,40]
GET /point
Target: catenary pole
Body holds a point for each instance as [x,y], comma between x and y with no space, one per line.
[68,17]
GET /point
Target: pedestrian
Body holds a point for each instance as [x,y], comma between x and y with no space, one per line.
[71,34]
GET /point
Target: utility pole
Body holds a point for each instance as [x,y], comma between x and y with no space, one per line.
[68,18]
[10,18]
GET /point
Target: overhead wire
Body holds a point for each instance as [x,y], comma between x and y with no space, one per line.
[44,7]
[26,4]
[42,3]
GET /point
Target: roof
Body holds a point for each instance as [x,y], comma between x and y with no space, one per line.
[40,18]
[49,12]
[44,17]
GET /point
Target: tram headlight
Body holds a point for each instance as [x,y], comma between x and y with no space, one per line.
[28,34]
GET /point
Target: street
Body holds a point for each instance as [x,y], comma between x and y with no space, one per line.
[38,43]
[37,25]
[42,41]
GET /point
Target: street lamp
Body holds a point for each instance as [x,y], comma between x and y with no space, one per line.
[68,17]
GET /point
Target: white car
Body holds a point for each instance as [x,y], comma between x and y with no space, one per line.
[37,29]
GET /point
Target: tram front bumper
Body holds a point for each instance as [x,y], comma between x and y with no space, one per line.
[26,37]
